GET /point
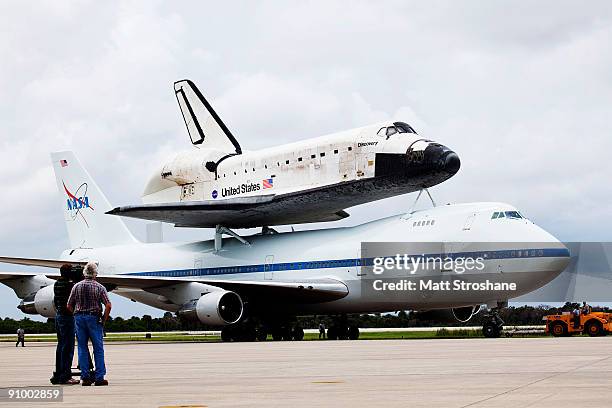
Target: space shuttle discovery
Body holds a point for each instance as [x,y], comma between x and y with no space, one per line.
[313,180]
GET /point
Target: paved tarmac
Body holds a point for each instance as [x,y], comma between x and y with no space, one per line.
[507,372]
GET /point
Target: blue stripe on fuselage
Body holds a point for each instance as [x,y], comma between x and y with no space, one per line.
[349,263]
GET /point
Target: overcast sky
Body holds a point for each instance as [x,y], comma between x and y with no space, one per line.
[522,91]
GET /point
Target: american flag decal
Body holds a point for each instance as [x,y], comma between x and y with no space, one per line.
[63,163]
[268,183]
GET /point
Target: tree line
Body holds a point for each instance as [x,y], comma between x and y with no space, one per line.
[513,315]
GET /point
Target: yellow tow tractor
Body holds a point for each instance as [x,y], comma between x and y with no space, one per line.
[566,324]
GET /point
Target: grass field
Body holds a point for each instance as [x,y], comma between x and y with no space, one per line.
[190,337]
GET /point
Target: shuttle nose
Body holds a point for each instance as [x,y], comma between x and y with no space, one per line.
[451,163]
[440,158]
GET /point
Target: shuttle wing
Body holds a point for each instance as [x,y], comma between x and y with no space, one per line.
[244,212]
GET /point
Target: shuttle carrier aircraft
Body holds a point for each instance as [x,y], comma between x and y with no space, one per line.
[256,285]
[313,180]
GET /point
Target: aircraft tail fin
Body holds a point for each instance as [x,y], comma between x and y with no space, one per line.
[85,206]
[205,127]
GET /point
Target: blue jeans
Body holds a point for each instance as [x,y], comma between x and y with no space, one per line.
[88,328]
[64,353]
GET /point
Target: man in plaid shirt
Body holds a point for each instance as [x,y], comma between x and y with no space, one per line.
[85,301]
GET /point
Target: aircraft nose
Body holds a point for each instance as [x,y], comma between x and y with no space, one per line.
[441,158]
[451,163]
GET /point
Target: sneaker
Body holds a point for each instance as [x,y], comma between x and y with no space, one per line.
[100,383]
[87,382]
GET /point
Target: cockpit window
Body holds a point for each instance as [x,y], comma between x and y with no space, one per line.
[391,130]
[404,128]
[399,127]
[507,214]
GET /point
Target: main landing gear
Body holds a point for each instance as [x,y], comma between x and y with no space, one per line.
[341,329]
[251,332]
[493,325]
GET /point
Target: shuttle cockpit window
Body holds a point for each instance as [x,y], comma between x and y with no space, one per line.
[399,127]
[391,130]
[404,128]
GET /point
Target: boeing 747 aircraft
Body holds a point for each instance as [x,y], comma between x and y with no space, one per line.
[269,279]
[315,180]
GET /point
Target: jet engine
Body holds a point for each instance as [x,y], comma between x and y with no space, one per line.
[40,303]
[217,308]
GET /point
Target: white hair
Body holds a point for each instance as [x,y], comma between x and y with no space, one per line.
[90,270]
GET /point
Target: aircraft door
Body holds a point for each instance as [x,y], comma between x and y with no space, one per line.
[268,271]
[347,164]
[197,265]
[359,263]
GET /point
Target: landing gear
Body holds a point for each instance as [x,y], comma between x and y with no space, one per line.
[252,332]
[493,325]
[239,332]
[342,330]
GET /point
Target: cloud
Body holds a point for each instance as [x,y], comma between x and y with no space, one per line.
[522,93]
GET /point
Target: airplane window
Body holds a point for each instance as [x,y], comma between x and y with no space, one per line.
[381,131]
[245,170]
[322,154]
[312,156]
[336,151]
[286,161]
[513,214]
[432,222]
[299,159]
[501,215]
[495,215]
[350,148]
[253,168]
[265,166]
[391,130]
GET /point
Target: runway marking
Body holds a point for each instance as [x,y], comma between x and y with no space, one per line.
[328,382]
[184,406]
[535,382]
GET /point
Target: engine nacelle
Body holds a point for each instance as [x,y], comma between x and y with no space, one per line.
[40,303]
[217,308]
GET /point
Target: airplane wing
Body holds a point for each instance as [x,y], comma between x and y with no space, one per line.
[303,291]
[245,212]
[46,263]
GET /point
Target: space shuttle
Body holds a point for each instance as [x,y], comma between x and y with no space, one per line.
[314,180]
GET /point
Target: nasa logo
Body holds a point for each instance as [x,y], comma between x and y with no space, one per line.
[214,194]
[77,202]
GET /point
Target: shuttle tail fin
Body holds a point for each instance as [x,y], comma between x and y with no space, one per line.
[205,127]
[85,206]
